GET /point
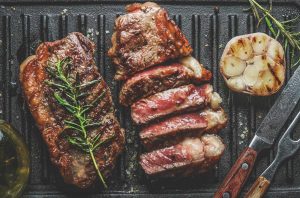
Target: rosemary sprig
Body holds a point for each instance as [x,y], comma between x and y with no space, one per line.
[279,28]
[68,92]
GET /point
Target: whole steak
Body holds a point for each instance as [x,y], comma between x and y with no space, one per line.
[76,166]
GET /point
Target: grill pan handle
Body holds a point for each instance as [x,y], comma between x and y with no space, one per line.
[237,175]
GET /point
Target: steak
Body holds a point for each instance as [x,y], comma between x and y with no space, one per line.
[162,77]
[172,130]
[192,155]
[75,166]
[143,37]
[181,99]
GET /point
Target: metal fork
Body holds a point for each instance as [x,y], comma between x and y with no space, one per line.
[285,149]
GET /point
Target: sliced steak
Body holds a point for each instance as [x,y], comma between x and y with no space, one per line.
[162,77]
[173,130]
[75,166]
[181,99]
[144,37]
[192,155]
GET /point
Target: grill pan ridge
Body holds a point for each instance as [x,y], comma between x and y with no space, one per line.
[208,25]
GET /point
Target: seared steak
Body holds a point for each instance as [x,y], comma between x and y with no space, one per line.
[181,99]
[153,56]
[174,129]
[162,77]
[190,156]
[144,37]
[75,166]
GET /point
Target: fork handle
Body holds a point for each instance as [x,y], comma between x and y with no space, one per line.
[259,188]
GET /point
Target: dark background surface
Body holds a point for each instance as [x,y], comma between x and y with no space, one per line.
[207,24]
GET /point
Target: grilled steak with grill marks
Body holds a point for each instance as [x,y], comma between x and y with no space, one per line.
[190,156]
[181,99]
[162,77]
[172,130]
[144,37]
[75,166]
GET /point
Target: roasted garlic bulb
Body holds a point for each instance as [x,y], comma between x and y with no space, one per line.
[253,64]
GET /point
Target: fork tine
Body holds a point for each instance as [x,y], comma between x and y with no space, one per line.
[292,125]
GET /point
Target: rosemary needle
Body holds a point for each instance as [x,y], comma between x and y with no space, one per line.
[67,92]
[278,28]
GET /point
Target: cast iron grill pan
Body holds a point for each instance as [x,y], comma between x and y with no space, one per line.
[208,25]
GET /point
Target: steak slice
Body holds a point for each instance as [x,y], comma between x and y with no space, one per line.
[174,129]
[144,37]
[75,166]
[162,77]
[192,155]
[181,99]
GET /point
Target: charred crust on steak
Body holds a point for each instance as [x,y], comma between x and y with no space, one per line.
[144,37]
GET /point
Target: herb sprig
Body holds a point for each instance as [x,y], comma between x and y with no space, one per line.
[68,93]
[279,28]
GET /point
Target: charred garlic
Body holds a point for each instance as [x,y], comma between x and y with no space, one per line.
[253,64]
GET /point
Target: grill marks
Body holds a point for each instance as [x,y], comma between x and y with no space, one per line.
[74,165]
